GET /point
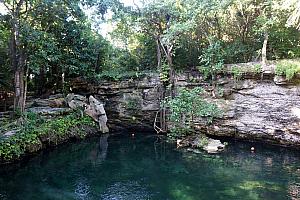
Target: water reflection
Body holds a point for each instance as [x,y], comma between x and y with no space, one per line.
[128,190]
[159,148]
[98,154]
[146,167]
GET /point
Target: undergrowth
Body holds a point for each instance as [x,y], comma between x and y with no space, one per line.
[287,68]
[187,106]
[36,130]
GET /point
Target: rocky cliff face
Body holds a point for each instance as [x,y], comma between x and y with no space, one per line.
[254,109]
[261,111]
[128,104]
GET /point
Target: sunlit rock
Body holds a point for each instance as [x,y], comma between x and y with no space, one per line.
[296,112]
[202,142]
[92,107]
[95,109]
[214,146]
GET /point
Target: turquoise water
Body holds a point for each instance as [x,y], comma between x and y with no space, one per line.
[142,168]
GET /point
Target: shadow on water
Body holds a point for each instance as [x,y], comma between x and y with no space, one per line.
[141,167]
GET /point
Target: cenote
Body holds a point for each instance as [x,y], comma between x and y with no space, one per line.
[122,167]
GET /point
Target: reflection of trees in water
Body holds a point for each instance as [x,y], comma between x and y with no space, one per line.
[160,148]
[244,173]
[294,190]
[97,156]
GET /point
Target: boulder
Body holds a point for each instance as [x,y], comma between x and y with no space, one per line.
[92,107]
[76,101]
[202,142]
[280,80]
[95,109]
[213,146]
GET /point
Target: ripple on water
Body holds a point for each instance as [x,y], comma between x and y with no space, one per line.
[3,197]
[127,190]
[82,190]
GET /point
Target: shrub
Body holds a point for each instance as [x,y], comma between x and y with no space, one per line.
[257,68]
[237,73]
[35,127]
[287,68]
[187,106]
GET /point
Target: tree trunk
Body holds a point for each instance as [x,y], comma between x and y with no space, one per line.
[214,84]
[158,54]
[19,90]
[264,50]
[25,88]
[42,81]
[18,63]
[162,114]
[97,65]
[18,59]
[168,53]
[171,77]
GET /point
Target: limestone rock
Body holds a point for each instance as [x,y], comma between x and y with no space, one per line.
[76,101]
[41,103]
[213,146]
[49,110]
[92,107]
[255,108]
[95,109]
[267,112]
[202,142]
[280,80]
[54,101]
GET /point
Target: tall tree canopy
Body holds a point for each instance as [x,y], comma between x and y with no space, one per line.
[43,43]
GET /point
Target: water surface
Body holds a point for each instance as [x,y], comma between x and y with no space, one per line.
[121,167]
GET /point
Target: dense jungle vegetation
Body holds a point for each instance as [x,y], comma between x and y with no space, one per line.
[45,43]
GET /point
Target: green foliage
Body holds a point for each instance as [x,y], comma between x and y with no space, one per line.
[220,91]
[202,141]
[238,51]
[164,73]
[237,73]
[257,68]
[187,106]
[36,129]
[212,60]
[294,17]
[59,39]
[287,68]
[284,42]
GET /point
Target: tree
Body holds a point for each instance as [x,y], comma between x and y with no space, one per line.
[49,38]
[188,106]
[212,62]
[18,11]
